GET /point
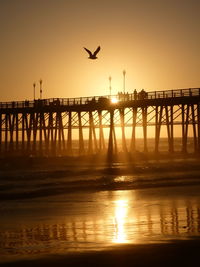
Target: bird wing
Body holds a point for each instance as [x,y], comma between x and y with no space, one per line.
[97,50]
[89,52]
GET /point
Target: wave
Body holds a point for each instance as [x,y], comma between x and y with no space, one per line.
[41,183]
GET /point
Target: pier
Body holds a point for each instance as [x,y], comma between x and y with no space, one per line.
[51,126]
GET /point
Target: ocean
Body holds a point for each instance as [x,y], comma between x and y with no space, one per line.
[58,207]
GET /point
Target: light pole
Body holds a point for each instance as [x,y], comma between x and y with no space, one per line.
[34,85]
[124,85]
[110,88]
[40,88]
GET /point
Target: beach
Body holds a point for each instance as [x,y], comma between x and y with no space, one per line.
[177,253]
[140,214]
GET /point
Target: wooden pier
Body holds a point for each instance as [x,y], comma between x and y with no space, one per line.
[47,126]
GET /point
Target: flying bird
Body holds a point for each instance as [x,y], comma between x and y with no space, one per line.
[93,55]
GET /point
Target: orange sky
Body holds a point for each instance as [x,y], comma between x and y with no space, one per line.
[155,41]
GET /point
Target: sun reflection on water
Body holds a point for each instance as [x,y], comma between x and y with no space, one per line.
[109,218]
[120,179]
[123,178]
[121,207]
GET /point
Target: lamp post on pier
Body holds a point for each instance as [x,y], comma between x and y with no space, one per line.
[124,81]
[34,85]
[40,88]
[110,87]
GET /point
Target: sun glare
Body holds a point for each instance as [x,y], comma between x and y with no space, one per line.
[114,100]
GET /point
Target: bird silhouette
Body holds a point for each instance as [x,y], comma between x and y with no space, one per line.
[93,55]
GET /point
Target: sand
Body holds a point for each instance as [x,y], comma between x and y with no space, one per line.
[170,252]
[176,253]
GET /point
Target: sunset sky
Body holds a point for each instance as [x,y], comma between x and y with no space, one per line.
[156,41]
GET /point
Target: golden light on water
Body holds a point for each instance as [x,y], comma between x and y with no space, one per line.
[121,209]
[96,222]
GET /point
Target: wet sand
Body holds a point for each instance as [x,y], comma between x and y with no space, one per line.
[176,253]
[151,221]
[147,227]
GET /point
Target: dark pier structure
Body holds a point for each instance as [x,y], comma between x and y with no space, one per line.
[50,126]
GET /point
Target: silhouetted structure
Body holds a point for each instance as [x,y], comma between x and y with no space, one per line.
[46,126]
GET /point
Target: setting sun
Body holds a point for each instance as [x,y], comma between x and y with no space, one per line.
[114,100]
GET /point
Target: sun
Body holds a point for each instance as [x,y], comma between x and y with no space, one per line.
[114,100]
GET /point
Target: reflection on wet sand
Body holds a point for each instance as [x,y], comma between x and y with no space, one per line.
[125,220]
[120,217]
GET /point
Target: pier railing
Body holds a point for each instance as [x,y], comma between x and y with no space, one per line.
[138,95]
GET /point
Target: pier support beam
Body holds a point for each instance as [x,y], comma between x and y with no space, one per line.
[81,141]
[11,121]
[40,133]
[32,123]
[172,129]
[133,137]
[69,135]
[158,127]
[23,133]
[0,132]
[185,123]
[124,147]
[51,144]
[17,131]
[101,135]
[6,133]
[59,128]
[92,135]
[198,126]
[194,128]
[112,144]
[144,123]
